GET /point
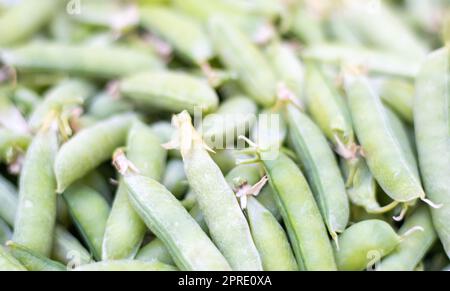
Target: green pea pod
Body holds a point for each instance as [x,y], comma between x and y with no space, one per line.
[8,201]
[432,123]
[270,239]
[11,144]
[321,169]
[89,211]
[155,251]
[226,222]
[125,230]
[308,237]
[36,211]
[8,262]
[64,96]
[365,243]
[233,118]
[240,56]
[96,181]
[93,145]
[185,34]
[384,154]
[26,99]
[26,18]
[170,91]
[104,106]
[5,232]
[125,265]
[307,27]
[414,247]
[33,261]
[84,60]
[175,178]
[224,159]
[375,61]
[68,250]
[398,95]
[189,246]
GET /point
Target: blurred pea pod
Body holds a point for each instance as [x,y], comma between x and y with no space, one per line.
[24,19]
[307,26]
[12,144]
[104,106]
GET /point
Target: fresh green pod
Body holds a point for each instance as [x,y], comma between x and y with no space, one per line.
[104,106]
[185,34]
[32,260]
[189,200]
[8,201]
[189,246]
[308,237]
[155,251]
[432,125]
[363,244]
[125,265]
[384,154]
[36,212]
[96,181]
[5,232]
[224,159]
[398,95]
[253,70]
[125,230]
[175,179]
[226,222]
[270,239]
[234,118]
[89,211]
[93,146]
[26,99]
[94,61]
[8,262]
[374,61]
[11,144]
[307,27]
[321,169]
[68,250]
[171,91]
[64,96]
[414,247]
[287,67]
[26,18]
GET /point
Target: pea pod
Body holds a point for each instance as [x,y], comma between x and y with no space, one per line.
[170,91]
[175,178]
[36,211]
[155,251]
[226,222]
[104,106]
[8,262]
[5,232]
[12,144]
[93,146]
[8,201]
[364,244]
[125,265]
[307,26]
[83,60]
[398,95]
[33,261]
[125,230]
[241,56]
[89,211]
[68,250]
[308,237]
[321,169]
[27,18]
[432,123]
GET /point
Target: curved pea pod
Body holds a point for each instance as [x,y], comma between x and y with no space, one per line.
[68,250]
[321,169]
[8,262]
[104,106]
[185,34]
[234,118]
[432,123]
[33,261]
[270,239]
[125,230]
[375,61]
[89,211]
[171,91]
[5,232]
[155,251]
[287,67]
[384,154]
[63,97]
[98,182]
[92,146]
[398,95]
[413,248]
[125,265]
[8,201]
[26,18]
[189,246]
[363,244]
[36,211]
[307,27]
[240,56]
[84,60]
[226,222]
[175,178]
[308,237]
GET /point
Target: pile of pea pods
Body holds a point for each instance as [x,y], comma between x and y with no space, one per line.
[134,135]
